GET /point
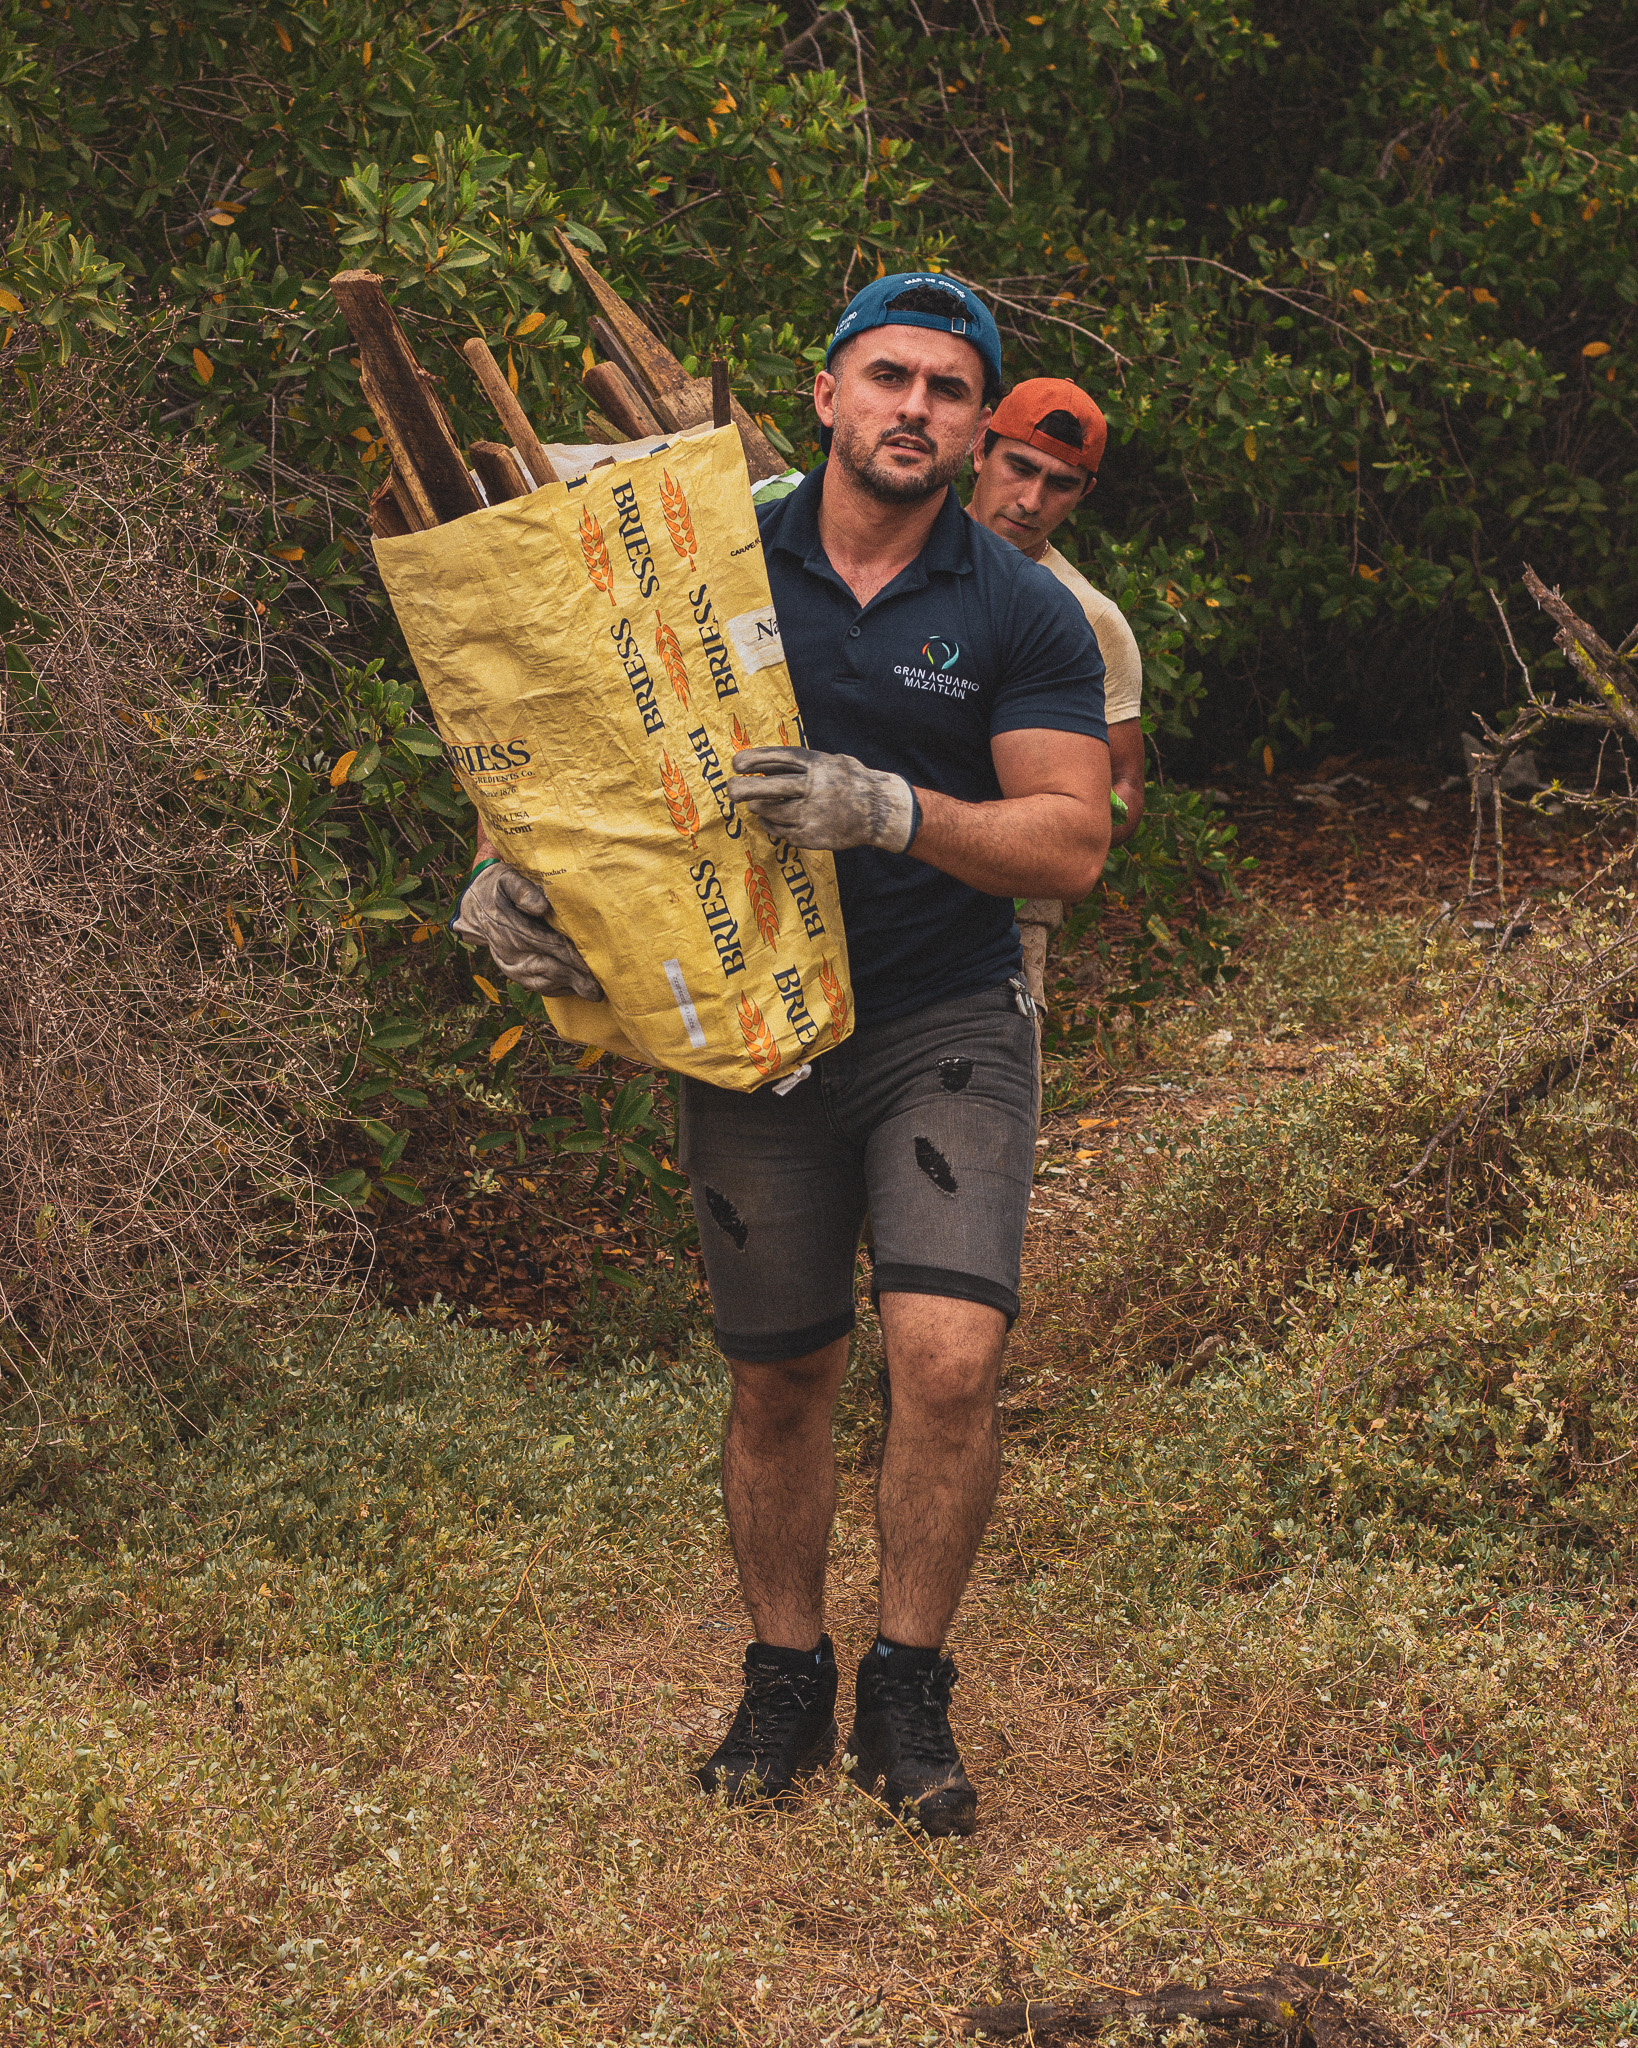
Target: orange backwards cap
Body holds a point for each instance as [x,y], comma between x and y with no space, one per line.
[1018,417]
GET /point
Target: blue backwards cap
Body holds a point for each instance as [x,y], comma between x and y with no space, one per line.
[974,324]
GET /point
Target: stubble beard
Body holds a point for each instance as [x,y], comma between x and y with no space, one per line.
[867,468]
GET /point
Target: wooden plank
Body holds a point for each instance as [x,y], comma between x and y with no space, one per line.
[498,472]
[692,405]
[762,459]
[618,354]
[656,366]
[387,519]
[720,403]
[408,487]
[405,502]
[402,397]
[614,392]
[512,415]
[675,399]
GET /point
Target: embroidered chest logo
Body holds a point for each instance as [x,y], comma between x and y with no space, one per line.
[937,670]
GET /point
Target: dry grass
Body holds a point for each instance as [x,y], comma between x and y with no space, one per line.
[365,1714]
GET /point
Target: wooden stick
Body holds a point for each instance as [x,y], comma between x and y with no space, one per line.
[618,354]
[721,413]
[387,520]
[413,522]
[675,399]
[498,471]
[656,366]
[617,396]
[401,395]
[512,415]
[692,404]
[408,487]
[762,459]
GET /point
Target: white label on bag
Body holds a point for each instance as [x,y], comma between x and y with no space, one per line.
[756,639]
[685,1003]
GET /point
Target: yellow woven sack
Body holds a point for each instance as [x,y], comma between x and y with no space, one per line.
[594,655]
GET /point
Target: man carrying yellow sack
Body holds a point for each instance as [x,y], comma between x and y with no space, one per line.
[950,697]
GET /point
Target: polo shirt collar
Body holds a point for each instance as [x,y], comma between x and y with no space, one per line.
[948,550]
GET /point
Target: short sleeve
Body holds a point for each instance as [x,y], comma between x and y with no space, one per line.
[1052,671]
[1122,663]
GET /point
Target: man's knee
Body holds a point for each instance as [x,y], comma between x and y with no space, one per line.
[781,1396]
[944,1360]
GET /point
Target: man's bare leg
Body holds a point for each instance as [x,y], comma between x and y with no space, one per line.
[939,1471]
[779,1489]
[942,1458]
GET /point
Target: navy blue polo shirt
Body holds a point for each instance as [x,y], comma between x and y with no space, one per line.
[972,639]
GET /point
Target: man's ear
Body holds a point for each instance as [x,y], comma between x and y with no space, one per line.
[824,397]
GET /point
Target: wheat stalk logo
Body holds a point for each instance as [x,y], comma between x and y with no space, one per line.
[830,987]
[678,801]
[763,908]
[592,545]
[759,1040]
[742,739]
[677,522]
[671,654]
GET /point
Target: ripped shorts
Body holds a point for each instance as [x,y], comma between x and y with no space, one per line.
[926,1123]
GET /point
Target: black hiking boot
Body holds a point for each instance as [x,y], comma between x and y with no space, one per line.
[901,1749]
[785,1727]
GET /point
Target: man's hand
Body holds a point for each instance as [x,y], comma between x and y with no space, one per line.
[506,912]
[826,802]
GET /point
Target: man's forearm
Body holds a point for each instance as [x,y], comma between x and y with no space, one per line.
[1126,765]
[1018,846]
[484,846]
[1130,794]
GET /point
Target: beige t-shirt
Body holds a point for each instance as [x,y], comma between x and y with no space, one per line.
[1122,664]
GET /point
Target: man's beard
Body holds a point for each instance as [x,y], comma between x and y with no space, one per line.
[869,470]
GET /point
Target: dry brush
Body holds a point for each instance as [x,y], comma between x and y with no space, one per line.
[170,1019]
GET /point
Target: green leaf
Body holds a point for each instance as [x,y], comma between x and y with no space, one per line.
[394,1037]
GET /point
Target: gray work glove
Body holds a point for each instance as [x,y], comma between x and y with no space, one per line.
[825,802]
[506,912]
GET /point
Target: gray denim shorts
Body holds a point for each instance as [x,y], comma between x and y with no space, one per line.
[925,1123]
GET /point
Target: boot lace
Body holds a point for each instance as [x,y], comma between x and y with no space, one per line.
[773,1705]
[919,1708]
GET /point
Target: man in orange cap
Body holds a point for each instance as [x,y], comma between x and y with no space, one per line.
[1036,463]
[1037,460]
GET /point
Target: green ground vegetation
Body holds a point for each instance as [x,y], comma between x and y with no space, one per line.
[349,1694]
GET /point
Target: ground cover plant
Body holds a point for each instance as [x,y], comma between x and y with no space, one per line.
[357,1704]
